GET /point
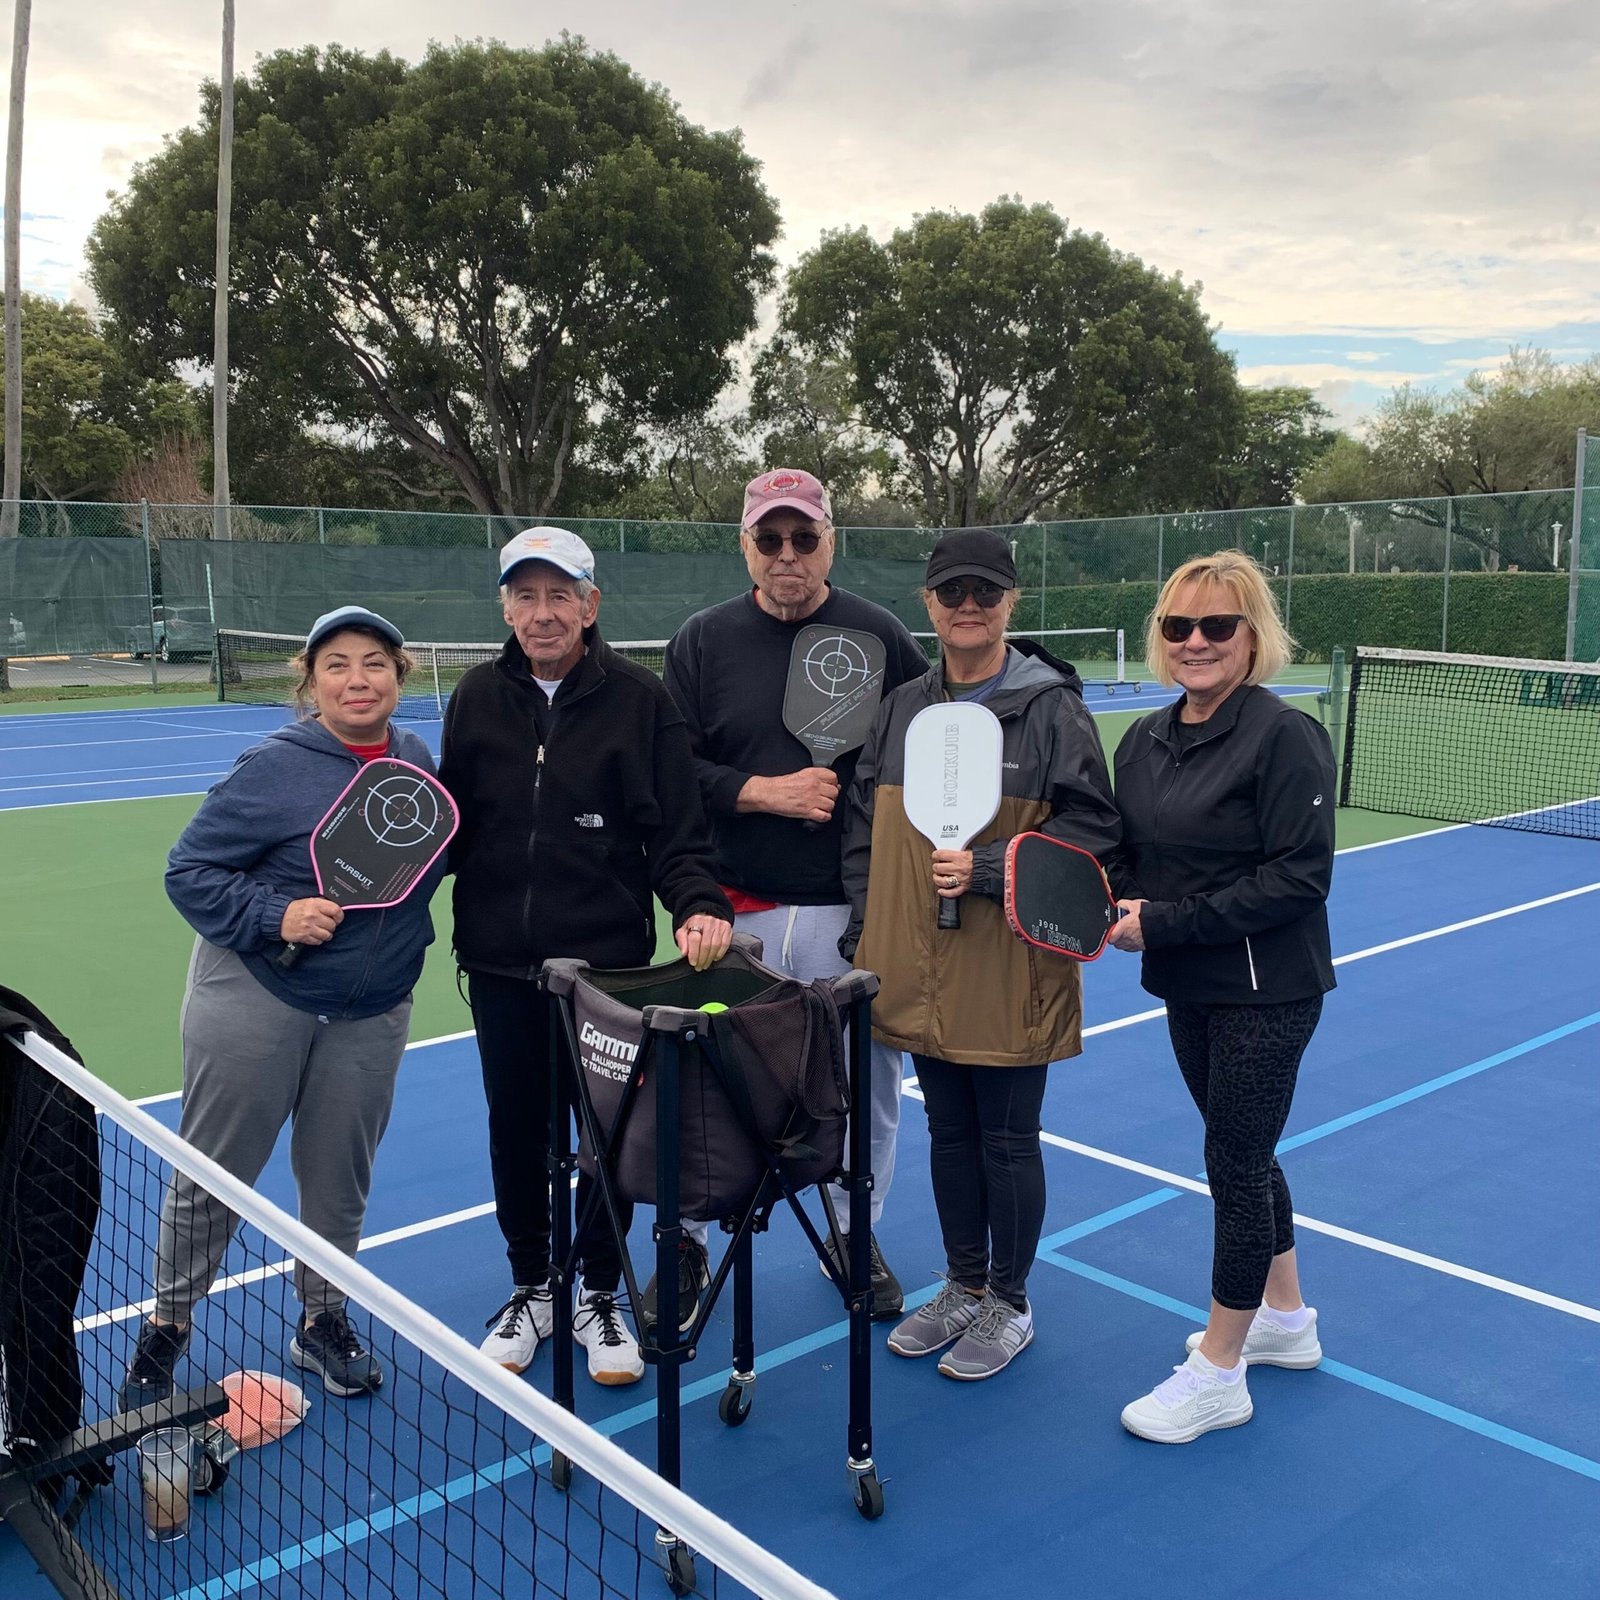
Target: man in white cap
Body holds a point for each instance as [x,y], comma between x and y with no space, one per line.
[727,668]
[573,772]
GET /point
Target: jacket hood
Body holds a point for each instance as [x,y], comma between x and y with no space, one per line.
[1030,670]
[309,734]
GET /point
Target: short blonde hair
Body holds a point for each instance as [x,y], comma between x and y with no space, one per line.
[1253,599]
[304,666]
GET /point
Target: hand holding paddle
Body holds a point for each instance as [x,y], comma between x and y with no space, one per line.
[952,781]
[377,841]
[835,683]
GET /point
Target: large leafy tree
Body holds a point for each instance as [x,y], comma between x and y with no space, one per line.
[87,416]
[1284,431]
[1016,364]
[497,258]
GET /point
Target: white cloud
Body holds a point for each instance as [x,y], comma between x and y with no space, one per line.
[1365,355]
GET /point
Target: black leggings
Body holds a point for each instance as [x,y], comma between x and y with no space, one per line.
[988,1172]
[512,1019]
[1240,1063]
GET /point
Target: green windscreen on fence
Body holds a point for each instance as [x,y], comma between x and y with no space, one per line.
[1586,630]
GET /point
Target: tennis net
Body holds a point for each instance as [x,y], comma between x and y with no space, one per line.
[455,1479]
[1098,653]
[258,669]
[1475,739]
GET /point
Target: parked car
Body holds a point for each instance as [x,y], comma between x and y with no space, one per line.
[182,633]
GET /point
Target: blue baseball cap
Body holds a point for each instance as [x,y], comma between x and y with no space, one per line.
[353,617]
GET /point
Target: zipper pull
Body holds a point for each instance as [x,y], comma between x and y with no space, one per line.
[538,769]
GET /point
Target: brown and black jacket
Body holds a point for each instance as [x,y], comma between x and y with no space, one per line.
[975,994]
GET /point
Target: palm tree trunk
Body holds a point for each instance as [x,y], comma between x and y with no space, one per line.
[12,490]
[219,360]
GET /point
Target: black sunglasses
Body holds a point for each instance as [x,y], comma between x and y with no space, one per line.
[1218,629]
[953,591]
[804,540]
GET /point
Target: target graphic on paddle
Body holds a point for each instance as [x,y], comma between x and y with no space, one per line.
[834,686]
[379,838]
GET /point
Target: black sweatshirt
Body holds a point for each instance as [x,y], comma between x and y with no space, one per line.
[727,668]
[572,811]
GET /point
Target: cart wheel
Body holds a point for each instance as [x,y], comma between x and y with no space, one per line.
[215,1459]
[680,1569]
[209,1474]
[560,1471]
[869,1496]
[734,1406]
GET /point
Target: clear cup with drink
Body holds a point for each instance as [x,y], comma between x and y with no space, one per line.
[166,1481]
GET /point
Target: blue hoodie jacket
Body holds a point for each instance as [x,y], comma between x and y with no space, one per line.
[247,853]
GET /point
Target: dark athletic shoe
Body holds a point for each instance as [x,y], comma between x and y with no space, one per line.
[150,1372]
[694,1278]
[329,1346]
[888,1298]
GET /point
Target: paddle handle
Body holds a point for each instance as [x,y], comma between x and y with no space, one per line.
[810,824]
[949,913]
[289,957]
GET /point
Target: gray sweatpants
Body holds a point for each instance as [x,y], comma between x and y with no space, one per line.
[803,942]
[251,1063]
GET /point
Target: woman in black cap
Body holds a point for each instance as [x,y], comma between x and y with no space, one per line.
[318,1046]
[982,1013]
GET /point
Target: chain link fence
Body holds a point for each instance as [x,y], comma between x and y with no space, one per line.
[132,594]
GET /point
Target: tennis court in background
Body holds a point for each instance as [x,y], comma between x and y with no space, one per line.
[1444,1155]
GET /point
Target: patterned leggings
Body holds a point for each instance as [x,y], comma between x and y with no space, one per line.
[1240,1063]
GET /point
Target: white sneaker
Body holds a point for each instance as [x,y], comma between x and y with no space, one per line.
[1269,1345]
[613,1351]
[518,1326]
[1194,1400]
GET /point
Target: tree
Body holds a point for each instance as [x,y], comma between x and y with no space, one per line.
[1283,434]
[86,416]
[1017,364]
[499,258]
[1489,441]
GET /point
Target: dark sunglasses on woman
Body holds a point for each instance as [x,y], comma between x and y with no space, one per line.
[804,540]
[1218,629]
[953,591]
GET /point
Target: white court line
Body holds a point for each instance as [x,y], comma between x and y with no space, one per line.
[99,783]
[93,773]
[116,744]
[1366,1241]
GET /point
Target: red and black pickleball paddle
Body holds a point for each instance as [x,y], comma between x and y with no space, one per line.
[1057,897]
[379,838]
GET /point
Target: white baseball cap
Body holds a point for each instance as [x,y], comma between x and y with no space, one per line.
[563,550]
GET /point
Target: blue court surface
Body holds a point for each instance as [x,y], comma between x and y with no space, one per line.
[1444,1157]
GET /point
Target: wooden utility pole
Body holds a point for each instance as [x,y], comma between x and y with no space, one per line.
[12,491]
[221,528]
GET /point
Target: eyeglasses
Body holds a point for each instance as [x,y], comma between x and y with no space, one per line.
[804,541]
[953,591]
[1216,630]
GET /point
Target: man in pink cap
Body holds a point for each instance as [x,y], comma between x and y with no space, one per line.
[727,667]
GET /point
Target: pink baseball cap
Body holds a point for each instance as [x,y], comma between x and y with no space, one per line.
[785,487]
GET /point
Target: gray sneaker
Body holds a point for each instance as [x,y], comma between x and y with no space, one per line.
[999,1333]
[942,1321]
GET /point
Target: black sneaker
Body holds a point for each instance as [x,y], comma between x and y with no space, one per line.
[888,1298]
[329,1346]
[694,1278]
[149,1376]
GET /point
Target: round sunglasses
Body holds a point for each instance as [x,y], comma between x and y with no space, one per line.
[804,540]
[1216,629]
[953,591]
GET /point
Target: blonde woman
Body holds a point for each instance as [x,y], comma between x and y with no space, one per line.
[1227,822]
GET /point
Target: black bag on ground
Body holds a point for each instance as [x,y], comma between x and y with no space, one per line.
[767,1074]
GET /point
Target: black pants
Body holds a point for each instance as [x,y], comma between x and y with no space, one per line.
[987,1168]
[512,1019]
[1240,1063]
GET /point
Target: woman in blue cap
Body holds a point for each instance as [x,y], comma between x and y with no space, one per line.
[318,1046]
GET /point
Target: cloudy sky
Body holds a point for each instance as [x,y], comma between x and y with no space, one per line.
[1371,191]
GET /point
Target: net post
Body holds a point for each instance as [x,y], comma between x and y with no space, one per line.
[438,696]
[1573,555]
[1122,657]
[1350,729]
[1288,582]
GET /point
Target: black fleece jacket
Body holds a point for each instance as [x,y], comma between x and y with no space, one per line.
[572,812]
[1230,841]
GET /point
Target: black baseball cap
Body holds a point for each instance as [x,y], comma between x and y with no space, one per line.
[971,553]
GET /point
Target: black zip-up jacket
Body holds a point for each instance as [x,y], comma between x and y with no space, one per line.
[572,812]
[1230,841]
